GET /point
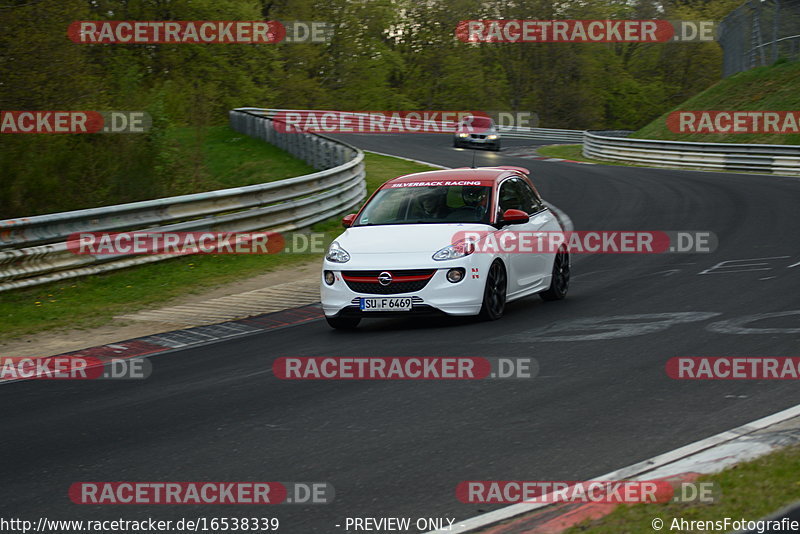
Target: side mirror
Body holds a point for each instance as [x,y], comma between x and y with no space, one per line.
[514,217]
[347,220]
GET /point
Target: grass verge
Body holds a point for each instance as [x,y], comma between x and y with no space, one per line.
[575,153]
[94,300]
[750,490]
[770,88]
[221,157]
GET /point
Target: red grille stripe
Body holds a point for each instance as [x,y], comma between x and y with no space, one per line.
[374,279]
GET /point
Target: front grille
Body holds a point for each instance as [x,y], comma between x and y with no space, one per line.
[478,136]
[373,287]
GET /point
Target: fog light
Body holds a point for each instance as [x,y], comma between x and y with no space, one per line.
[329,278]
[455,275]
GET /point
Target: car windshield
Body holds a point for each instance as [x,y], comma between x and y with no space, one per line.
[428,204]
[480,123]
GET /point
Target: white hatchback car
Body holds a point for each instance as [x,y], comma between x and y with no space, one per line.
[401,254]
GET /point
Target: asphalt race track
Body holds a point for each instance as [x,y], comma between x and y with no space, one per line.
[399,449]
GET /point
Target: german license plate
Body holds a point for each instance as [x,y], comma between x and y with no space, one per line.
[386,304]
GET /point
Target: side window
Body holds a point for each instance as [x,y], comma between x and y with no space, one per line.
[511,196]
[530,198]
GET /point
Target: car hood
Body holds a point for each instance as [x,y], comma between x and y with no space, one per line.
[404,238]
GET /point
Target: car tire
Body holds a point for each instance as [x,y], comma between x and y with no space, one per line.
[456,144]
[494,293]
[496,147]
[559,284]
[343,323]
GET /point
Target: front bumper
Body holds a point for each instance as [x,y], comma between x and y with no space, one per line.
[477,141]
[438,296]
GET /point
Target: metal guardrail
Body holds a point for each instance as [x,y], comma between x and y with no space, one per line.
[769,159]
[33,250]
[544,134]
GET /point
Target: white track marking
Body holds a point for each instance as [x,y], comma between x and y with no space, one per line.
[725,444]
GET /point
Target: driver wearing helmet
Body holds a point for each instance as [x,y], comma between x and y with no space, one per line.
[433,202]
[476,197]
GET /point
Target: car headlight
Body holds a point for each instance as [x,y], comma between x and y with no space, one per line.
[337,254]
[491,136]
[454,251]
[462,134]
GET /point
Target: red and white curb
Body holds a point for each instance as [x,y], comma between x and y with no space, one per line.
[706,456]
[147,346]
